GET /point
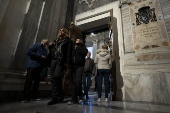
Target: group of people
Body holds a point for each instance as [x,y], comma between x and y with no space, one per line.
[63,54]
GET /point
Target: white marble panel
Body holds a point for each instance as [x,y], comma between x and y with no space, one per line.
[147,87]
[159,108]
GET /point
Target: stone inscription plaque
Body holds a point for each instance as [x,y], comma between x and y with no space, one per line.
[148,27]
[148,33]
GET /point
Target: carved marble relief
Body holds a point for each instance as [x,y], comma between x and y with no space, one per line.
[86,5]
[148,28]
[89,3]
[149,57]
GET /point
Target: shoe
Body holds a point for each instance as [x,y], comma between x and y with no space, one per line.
[80,101]
[95,92]
[106,100]
[106,104]
[99,104]
[60,99]
[83,94]
[25,101]
[53,101]
[37,99]
[87,97]
[98,100]
[71,102]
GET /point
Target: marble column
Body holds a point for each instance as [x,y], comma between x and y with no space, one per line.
[28,34]
[100,43]
[12,15]
[95,44]
[53,19]
[3,7]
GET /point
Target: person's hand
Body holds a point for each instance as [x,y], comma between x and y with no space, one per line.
[51,43]
[43,57]
[46,81]
[75,46]
[66,65]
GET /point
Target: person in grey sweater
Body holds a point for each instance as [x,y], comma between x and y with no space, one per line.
[103,62]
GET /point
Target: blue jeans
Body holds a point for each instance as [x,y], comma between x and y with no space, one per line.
[103,73]
[86,84]
[77,83]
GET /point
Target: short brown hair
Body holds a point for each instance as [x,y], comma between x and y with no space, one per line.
[79,39]
[104,47]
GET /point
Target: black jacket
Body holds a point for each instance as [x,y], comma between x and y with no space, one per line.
[63,52]
[89,66]
[78,55]
[35,52]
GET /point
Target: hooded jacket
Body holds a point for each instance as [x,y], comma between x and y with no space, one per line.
[78,55]
[89,66]
[35,52]
[63,51]
[103,59]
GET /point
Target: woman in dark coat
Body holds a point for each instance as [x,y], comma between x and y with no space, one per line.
[78,61]
[61,59]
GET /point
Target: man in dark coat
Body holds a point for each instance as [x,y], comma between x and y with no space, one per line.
[78,61]
[37,54]
[89,70]
[61,60]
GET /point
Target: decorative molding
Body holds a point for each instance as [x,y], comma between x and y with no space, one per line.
[149,57]
[148,32]
[122,2]
[95,41]
[89,4]
[153,50]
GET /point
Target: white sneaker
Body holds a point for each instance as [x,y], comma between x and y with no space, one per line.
[80,101]
[98,100]
[25,101]
[37,99]
[106,100]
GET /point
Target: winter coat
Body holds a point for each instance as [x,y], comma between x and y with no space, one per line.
[35,52]
[63,51]
[103,59]
[89,66]
[78,55]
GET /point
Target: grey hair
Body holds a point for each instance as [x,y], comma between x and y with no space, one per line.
[44,39]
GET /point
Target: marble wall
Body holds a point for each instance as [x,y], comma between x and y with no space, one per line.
[28,35]
[146,87]
[145,73]
[70,15]
[165,10]
[12,14]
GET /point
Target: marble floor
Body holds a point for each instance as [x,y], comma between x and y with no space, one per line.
[90,106]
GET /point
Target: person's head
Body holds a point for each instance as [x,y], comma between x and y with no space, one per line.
[88,55]
[44,42]
[62,33]
[104,47]
[78,41]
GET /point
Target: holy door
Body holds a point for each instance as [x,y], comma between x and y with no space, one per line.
[74,33]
